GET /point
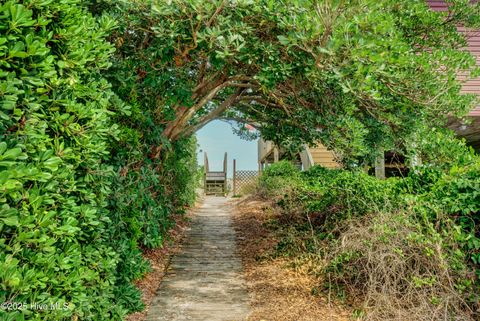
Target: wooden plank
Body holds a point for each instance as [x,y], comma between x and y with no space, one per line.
[326,163]
[317,152]
[324,157]
[320,151]
[329,165]
[215,177]
[234,177]
[225,163]
[216,173]
[330,162]
[380,165]
[329,156]
[205,162]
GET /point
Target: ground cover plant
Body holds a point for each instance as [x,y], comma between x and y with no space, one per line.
[396,249]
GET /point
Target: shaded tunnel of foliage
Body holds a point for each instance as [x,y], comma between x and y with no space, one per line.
[99,98]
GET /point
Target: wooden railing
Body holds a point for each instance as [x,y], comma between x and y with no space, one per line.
[264,149]
[215,182]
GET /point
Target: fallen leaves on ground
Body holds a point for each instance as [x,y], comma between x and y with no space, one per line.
[278,292]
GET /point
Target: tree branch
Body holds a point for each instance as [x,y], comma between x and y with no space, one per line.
[243,121]
[184,114]
[206,85]
[216,13]
[213,114]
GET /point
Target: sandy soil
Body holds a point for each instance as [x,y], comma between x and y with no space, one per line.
[278,292]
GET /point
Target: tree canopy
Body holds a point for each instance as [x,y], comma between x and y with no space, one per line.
[356,75]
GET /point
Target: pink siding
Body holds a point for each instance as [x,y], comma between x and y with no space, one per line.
[437,5]
[475,112]
[441,5]
[473,38]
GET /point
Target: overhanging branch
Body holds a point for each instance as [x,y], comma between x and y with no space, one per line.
[214,113]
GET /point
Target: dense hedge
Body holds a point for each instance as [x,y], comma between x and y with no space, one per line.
[412,242]
[146,191]
[80,194]
[55,131]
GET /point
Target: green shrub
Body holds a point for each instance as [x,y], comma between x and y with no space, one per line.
[410,242]
[80,192]
[144,196]
[442,149]
[155,178]
[456,195]
[326,196]
[346,193]
[54,183]
[282,169]
[450,194]
[278,179]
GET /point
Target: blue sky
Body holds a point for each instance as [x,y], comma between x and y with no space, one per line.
[217,138]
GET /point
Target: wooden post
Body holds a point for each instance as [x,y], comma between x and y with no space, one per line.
[205,171]
[380,165]
[276,154]
[225,173]
[234,177]
[416,160]
[225,163]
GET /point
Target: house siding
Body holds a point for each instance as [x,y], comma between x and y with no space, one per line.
[473,38]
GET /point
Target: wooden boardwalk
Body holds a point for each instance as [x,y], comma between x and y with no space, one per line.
[205,281]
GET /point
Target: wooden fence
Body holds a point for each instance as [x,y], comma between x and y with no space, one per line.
[243,180]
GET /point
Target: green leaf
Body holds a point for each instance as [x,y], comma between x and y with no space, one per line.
[3,147]
[52,163]
[283,40]
[10,221]
[11,154]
